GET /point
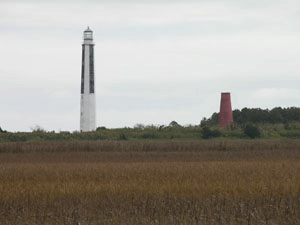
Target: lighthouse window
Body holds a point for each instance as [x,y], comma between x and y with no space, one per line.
[88,35]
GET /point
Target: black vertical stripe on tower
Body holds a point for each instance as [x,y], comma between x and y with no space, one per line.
[92,89]
[82,71]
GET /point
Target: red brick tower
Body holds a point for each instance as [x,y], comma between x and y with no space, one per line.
[225,110]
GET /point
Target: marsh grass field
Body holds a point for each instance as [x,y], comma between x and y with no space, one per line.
[114,182]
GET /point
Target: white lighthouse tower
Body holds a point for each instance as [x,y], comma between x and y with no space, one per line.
[87,100]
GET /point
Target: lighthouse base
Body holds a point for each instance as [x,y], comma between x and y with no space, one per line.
[87,113]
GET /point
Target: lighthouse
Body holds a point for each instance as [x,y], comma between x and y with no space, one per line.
[87,98]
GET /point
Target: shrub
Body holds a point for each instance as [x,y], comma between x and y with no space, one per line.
[207,133]
[290,134]
[251,131]
[287,126]
[148,135]
[100,128]
[123,137]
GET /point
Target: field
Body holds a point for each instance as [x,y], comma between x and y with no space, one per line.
[114,182]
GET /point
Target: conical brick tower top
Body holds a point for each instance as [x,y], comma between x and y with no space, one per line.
[225,110]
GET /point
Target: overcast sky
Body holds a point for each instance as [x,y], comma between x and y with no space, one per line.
[155,60]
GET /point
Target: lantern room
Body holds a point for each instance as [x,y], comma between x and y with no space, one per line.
[88,34]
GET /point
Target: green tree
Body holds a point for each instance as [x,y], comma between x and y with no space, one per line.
[173,124]
[203,122]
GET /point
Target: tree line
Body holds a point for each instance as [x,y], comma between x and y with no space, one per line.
[257,115]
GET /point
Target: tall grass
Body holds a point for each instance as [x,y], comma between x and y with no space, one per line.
[133,146]
[162,183]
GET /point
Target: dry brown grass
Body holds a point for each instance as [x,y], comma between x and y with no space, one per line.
[165,146]
[220,186]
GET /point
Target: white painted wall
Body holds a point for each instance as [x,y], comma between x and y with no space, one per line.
[87,100]
[88,112]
